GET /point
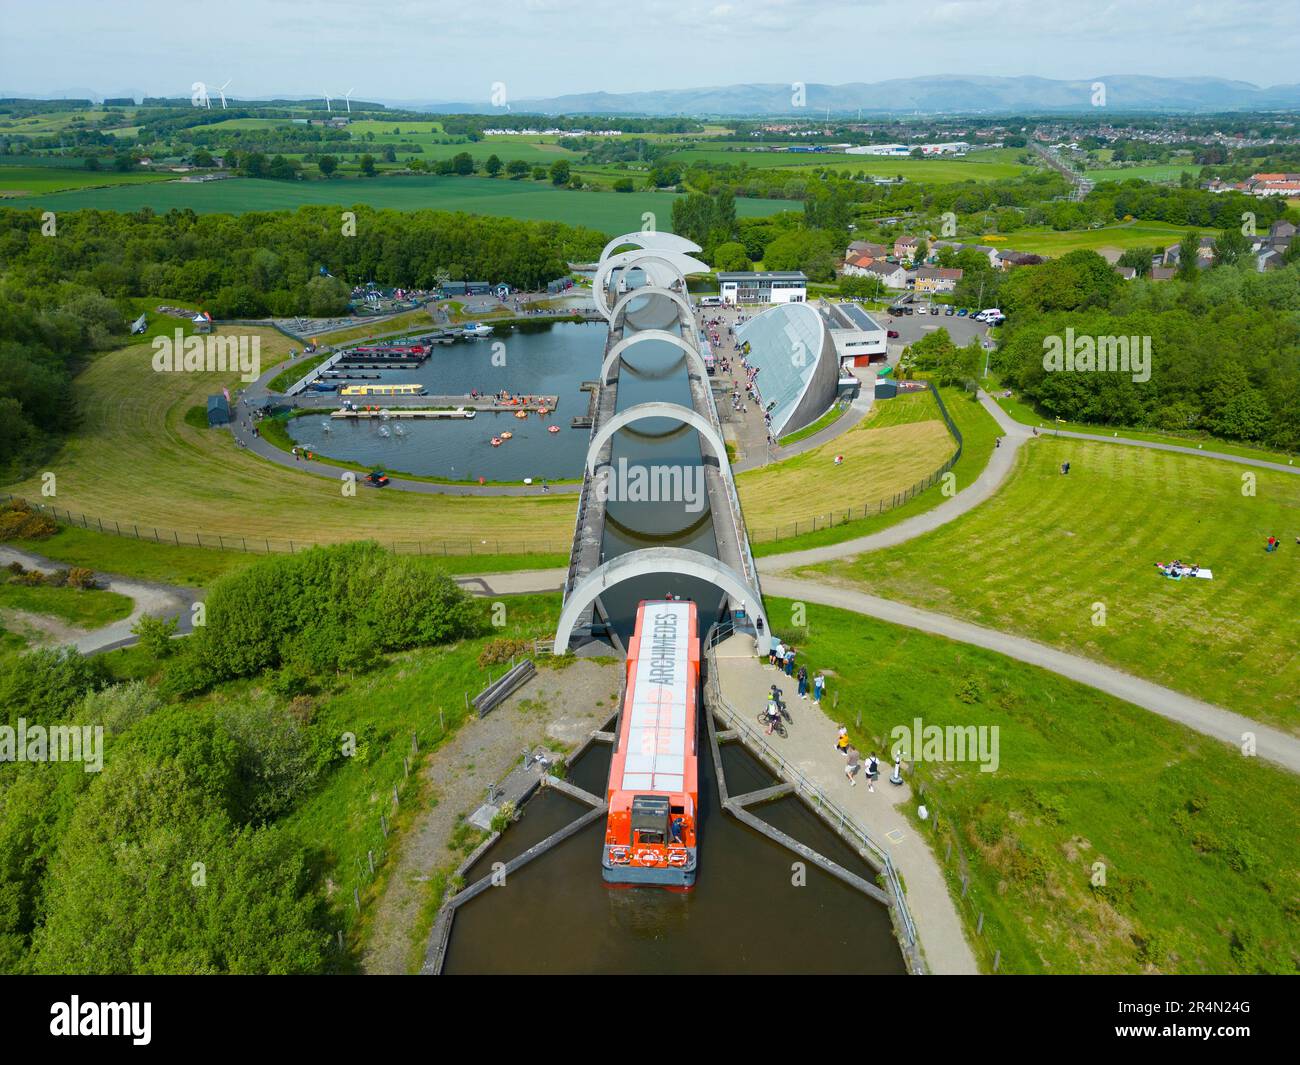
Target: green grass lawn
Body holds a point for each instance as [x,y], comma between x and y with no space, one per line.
[90,609]
[197,567]
[979,431]
[1122,235]
[609,212]
[23,182]
[829,418]
[1038,558]
[1200,846]
[297,372]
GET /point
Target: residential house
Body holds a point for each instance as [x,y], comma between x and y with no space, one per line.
[867,248]
[906,247]
[1163,273]
[892,275]
[936,279]
[1007,260]
[1128,273]
[988,252]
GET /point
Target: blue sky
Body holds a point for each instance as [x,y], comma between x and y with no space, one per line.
[400,50]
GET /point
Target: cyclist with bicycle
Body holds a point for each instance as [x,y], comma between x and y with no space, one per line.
[773,715]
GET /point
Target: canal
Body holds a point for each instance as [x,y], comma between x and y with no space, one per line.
[755,908]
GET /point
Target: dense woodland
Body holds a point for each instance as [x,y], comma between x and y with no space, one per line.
[64,297]
[97,870]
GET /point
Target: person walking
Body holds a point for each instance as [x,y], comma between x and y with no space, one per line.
[803,682]
[873,768]
[852,765]
[819,687]
[842,740]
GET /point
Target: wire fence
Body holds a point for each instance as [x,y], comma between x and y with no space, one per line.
[259,545]
[832,518]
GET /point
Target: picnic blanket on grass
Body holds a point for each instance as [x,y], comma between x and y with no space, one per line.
[1177,573]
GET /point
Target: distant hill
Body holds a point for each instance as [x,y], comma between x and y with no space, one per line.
[927,95]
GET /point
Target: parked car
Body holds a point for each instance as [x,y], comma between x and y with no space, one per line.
[892,334]
[951,310]
[962,313]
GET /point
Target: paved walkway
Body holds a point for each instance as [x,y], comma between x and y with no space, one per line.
[811,747]
[982,488]
[1273,745]
[1222,456]
[159,600]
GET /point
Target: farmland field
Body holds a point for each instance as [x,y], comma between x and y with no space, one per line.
[609,212]
[25,181]
[973,168]
[1155,172]
[1125,235]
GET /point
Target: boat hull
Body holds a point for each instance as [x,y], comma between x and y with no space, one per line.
[678,876]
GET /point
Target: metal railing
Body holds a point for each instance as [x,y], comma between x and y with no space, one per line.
[830,810]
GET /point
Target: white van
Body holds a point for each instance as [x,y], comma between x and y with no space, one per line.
[993,316]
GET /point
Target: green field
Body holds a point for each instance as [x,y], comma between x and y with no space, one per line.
[27,181]
[1122,235]
[1198,843]
[609,212]
[1039,557]
[979,431]
[969,168]
[1156,172]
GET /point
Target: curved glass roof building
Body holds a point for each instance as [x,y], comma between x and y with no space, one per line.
[798,370]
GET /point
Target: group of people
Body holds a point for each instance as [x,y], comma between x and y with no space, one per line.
[853,760]
[782,656]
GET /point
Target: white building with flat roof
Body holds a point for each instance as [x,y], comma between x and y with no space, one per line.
[763,286]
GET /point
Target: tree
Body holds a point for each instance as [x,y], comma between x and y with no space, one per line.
[1189,250]
[730,256]
[560,172]
[368,165]
[516,169]
[328,164]
[539,173]
[492,166]
[462,163]
[623,185]
[1230,247]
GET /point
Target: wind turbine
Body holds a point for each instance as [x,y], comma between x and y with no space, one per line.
[347,99]
[222,92]
[327,102]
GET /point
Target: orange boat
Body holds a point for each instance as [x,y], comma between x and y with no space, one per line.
[650,835]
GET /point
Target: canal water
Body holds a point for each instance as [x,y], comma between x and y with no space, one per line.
[744,915]
[749,911]
[542,358]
